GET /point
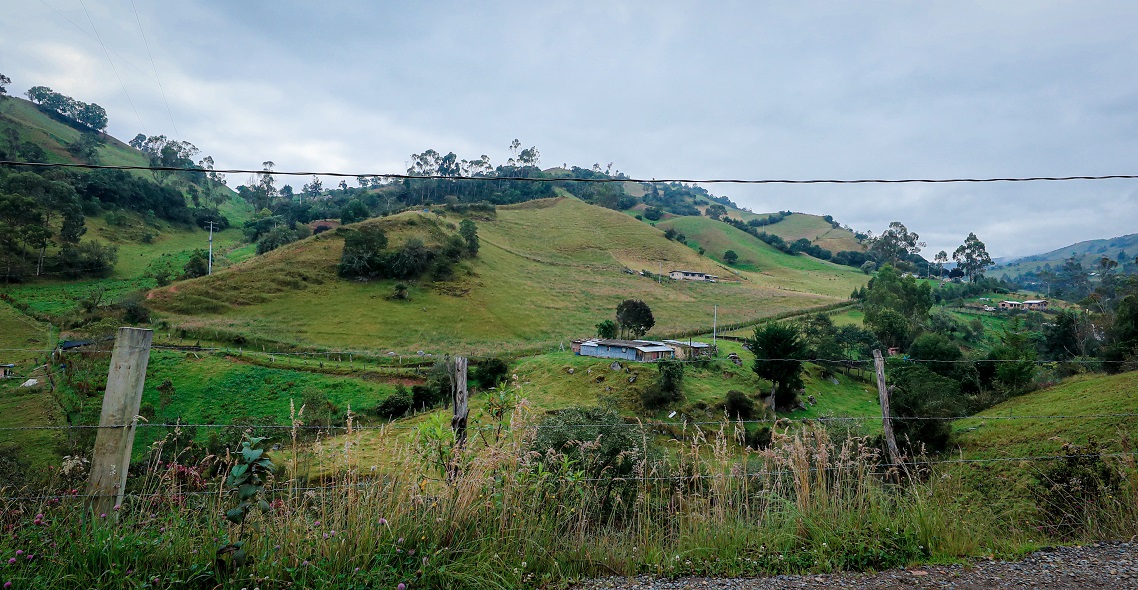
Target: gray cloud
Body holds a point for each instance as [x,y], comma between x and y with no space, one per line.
[881,89]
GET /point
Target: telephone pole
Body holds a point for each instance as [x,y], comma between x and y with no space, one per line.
[210,271]
[714,323]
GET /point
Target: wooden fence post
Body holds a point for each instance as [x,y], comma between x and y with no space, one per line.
[113,442]
[460,395]
[461,398]
[886,419]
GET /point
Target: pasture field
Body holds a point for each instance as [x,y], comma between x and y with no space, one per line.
[547,272]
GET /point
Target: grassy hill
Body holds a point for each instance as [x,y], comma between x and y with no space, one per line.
[547,272]
[1088,253]
[986,435]
[22,120]
[804,225]
[799,272]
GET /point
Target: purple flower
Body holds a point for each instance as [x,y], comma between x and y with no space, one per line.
[117,507]
[39,516]
[12,560]
[19,552]
[325,535]
[401,586]
[411,552]
[305,562]
[400,541]
[104,515]
[7,585]
[333,533]
[383,522]
[317,523]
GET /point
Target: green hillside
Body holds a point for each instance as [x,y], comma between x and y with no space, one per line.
[1088,253]
[799,272]
[986,435]
[804,225]
[22,122]
[547,272]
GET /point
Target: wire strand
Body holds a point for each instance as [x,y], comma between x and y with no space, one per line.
[397,176]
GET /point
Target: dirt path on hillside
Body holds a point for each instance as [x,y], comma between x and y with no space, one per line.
[1101,565]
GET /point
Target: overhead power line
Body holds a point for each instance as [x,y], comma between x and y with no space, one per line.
[396,176]
[99,38]
[154,66]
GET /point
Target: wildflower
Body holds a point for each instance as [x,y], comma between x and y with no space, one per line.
[117,507]
[400,541]
[317,523]
[39,516]
[325,535]
[333,533]
[383,522]
[305,562]
[104,515]
[11,561]
[7,585]
[19,552]
[401,586]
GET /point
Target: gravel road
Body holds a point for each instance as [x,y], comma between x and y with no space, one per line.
[1101,565]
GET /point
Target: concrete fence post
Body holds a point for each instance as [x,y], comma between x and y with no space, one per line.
[113,442]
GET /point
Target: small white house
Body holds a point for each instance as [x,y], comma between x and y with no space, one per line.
[691,275]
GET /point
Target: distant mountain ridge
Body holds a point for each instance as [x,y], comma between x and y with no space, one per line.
[1087,252]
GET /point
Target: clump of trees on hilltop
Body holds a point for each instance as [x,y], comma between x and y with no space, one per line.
[366,254]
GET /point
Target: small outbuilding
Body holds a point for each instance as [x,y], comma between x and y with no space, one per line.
[690,348]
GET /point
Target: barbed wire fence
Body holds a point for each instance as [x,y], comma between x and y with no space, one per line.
[886,468]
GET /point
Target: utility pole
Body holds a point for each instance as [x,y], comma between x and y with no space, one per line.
[210,249]
[714,323]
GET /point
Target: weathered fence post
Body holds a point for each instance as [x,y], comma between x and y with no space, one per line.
[113,442]
[461,398]
[886,419]
[460,395]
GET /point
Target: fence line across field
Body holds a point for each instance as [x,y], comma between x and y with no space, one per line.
[889,468]
[646,424]
[120,420]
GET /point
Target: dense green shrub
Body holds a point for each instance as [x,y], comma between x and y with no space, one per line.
[668,388]
[490,372]
[395,405]
[739,405]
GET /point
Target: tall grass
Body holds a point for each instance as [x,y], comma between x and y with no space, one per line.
[504,514]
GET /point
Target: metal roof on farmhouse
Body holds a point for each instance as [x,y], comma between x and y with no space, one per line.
[641,345]
[691,344]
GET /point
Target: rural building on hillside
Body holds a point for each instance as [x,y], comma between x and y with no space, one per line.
[629,350]
[689,349]
[691,275]
[1032,304]
[6,371]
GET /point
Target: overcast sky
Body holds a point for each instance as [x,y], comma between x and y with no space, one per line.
[660,89]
